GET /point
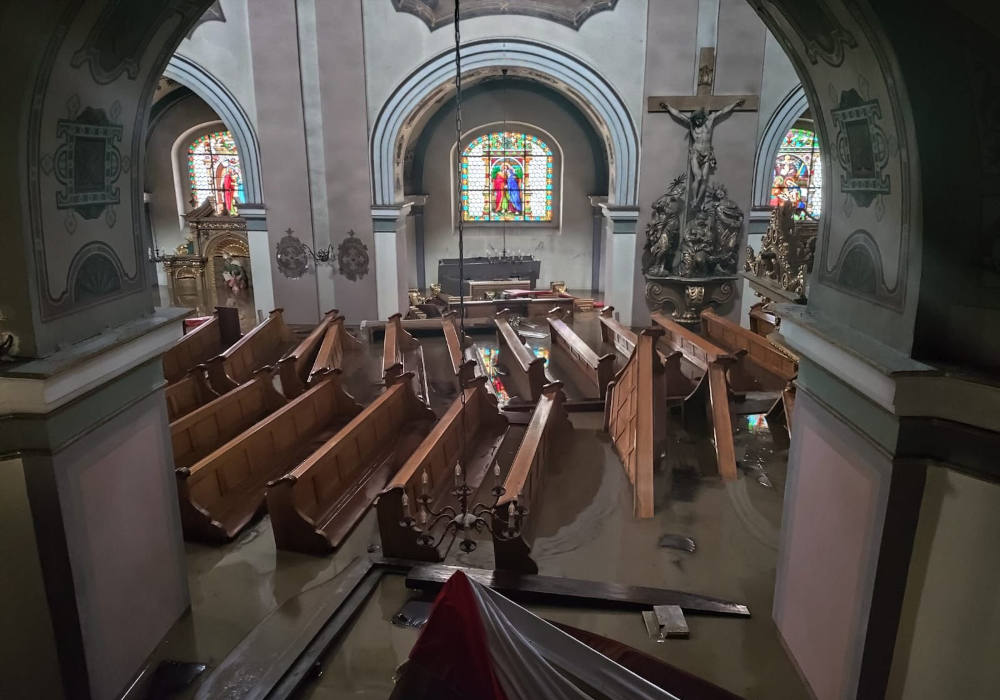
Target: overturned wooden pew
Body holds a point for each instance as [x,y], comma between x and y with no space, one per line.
[316,505]
[525,371]
[201,343]
[402,354]
[590,371]
[263,345]
[336,343]
[473,422]
[615,334]
[464,368]
[201,431]
[220,493]
[189,393]
[636,418]
[523,485]
[296,365]
[706,409]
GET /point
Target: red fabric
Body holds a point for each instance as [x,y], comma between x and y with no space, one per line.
[453,647]
[190,323]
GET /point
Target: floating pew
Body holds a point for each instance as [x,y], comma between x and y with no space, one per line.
[779,366]
[525,372]
[707,407]
[188,394]
[636,418]
[263,345]
[402,354]
[463,367]
[679,385]
[220,493]
[523,485]
[762,322]
[316,505]
[296,366]
[201,431]
[431,470]
[201,344]
[591,372]
[336,343]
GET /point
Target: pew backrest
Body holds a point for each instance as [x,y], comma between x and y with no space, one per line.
[759,349]
[526,372]
[395,343]
[295,367]
[697,350]
[195,347]
[597,370]
[262,346]
[336,342]
[463,368]
[187,394]
[615,334]
[201,431]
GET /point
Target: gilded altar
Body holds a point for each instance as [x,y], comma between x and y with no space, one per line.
[213,264]
[780,271]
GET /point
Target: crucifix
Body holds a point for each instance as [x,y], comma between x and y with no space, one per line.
[705,109]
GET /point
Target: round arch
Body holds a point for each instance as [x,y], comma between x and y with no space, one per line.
[586,88]
[206,86]
[783,119]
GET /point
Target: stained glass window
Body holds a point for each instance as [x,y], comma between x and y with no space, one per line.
[798,174]
[214,171]
[507,176]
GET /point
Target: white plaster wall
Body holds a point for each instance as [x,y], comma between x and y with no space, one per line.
[563,248]
[949,638]
[611,43]
[778,80]
[223,49]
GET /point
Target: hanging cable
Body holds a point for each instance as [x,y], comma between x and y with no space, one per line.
[504,142]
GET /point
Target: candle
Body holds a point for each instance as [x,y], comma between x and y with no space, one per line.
[458,475]
[424,483]
[406,505]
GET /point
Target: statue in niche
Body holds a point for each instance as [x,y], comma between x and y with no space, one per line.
[700,126]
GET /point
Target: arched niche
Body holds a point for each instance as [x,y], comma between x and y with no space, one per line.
[794,104]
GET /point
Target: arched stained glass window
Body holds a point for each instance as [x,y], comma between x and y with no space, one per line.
[798,174]
[507,176]
[214,171]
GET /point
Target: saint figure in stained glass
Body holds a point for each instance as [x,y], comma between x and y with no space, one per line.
[506,176]
[798,174]
[214,172]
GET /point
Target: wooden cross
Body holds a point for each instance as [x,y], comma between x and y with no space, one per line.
[705,98]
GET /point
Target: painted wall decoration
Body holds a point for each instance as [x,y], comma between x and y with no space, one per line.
[797,177]
[862,148]
[214,172]
[96,277]
[823,34]
[507,176]
[88,164]
[353,259]
[570,13]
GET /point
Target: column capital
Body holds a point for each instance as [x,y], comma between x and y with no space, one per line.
[390,212]
[623,219]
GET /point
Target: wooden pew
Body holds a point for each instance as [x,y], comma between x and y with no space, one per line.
[431,469]
[263,345]
[542,442]
[707,408]
[624,340]
[188,394]
[525,372]
[591,371]
[222,492]
[762,322]
[636,418]
[773,360]
[295,367]
[402,354]
[336,342]
[615,334]
[316,505]
[201,431]
[201,344]
[464,368]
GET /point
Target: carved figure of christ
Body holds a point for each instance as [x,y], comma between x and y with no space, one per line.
[700,126]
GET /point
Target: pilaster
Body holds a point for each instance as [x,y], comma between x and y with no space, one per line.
[260,257]
[620,249]
[389,225]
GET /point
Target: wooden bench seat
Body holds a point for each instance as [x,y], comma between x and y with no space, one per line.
[475,423]
[203,430]
[317,504]
[220,493]
[188,394]
[464,368]
[777,366]
[635,416]
[706,409]
[590,371]
[402,354]
[541,445]
[201,344]
[294,368]
[525,371]
[264,345]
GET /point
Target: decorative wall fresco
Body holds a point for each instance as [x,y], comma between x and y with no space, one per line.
[823,34]
[570,13]
[352,255]
[862,148]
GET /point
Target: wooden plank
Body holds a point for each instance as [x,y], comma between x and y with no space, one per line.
[526,373]
[760,350]
[722,425]
[553,590]
[615,334]
[336,342]
[696,349]
[596,371]
[295,366]
[463,368]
